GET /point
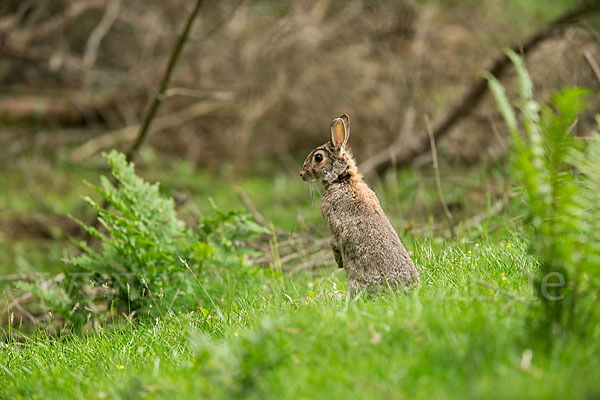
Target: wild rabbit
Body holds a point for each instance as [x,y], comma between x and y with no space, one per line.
[363,240]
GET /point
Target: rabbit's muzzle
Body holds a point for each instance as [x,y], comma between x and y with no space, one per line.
[304,175]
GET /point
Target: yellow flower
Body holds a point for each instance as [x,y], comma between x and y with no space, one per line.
[120,367]
[475,264]
[508,245]
[469,251]
[235,333]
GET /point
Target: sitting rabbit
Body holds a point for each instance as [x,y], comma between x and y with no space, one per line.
[363,241]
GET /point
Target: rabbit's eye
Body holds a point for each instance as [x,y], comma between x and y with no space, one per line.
[318,157]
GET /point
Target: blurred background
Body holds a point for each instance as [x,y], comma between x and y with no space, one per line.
[254,91]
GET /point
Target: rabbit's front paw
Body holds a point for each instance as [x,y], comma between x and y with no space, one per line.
[337,254]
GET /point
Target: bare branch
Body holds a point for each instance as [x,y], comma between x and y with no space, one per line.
[158,98]
[99,32]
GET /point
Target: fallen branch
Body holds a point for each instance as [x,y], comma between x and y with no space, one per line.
[64,108]
[473,96]
[367,168]
[128,133]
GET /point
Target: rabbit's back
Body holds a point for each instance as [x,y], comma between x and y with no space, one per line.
[372,252]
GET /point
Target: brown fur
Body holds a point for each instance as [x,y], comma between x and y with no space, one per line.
[363,240]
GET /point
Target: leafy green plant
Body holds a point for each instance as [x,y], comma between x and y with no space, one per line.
[141,243]
[147,258]
[227,231]
[560,181]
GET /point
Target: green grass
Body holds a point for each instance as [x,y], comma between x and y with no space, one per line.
[302,338]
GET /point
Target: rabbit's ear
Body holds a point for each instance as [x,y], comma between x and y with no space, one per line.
[340,131]
[346,119]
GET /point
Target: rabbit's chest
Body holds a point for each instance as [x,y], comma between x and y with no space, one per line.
[339,212]
[333,216]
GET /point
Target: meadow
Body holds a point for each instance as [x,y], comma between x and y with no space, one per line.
[256,331]
[203,269]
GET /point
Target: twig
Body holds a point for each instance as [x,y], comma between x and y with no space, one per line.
[158,98]
[200,94]
[99,32]
[314,261]
[493,210]
[593,64]
[250,206]
[438,183]
[419,230]
[471,222]
[15,303]
[295,249]
[221,23]
[27,297]
[473,96]
[301,253]
[57,23]
[501,291]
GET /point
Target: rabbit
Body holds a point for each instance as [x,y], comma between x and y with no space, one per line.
[363,241]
